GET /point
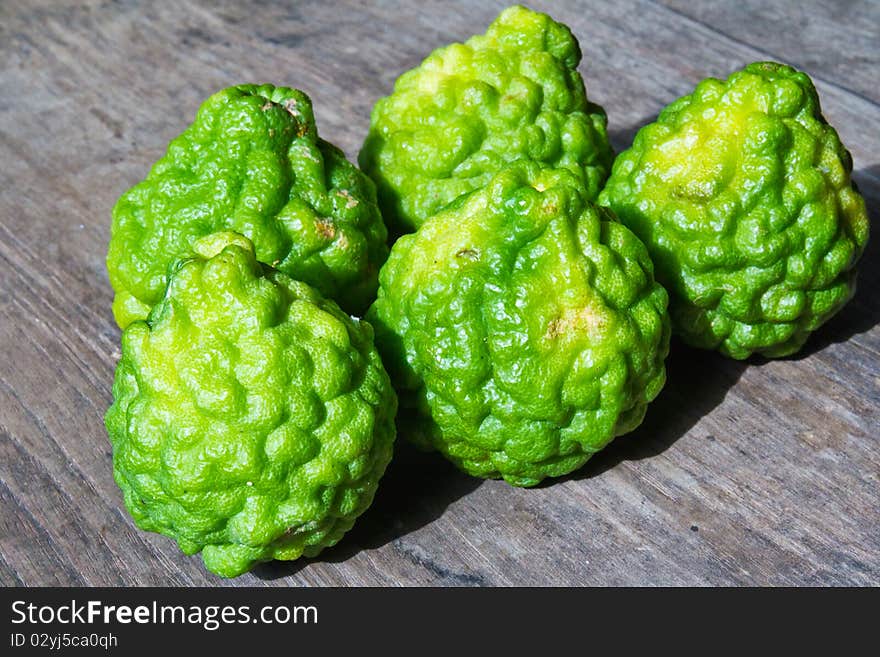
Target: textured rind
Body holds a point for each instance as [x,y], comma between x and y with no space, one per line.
[251,162]
[252,418]
[522,328]
[470,109]
[742,193]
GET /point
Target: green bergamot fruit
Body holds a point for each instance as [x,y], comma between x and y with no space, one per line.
[742,193]
[470,109]
[252,163]
[522,327]
[252,418]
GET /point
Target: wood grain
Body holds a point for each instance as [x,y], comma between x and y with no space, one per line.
[756,473]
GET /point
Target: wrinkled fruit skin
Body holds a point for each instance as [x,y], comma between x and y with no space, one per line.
[252,163]
[252,418]
[470,109]
[522,327]
[742,193]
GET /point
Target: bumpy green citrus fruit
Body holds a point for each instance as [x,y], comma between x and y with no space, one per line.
[742,193]
[252,418]
[522,327]
[251,162]
[469,109]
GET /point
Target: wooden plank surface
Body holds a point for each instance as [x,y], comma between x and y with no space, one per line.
[755,473]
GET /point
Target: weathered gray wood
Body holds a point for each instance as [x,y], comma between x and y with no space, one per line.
[804,34]
[757,473]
